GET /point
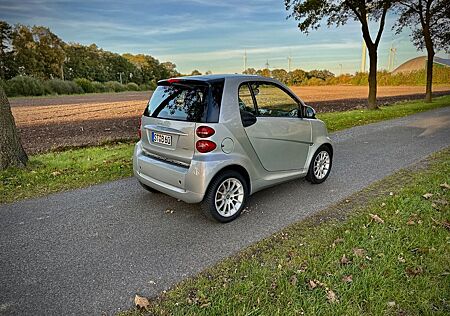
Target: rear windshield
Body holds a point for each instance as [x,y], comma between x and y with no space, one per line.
[186,101]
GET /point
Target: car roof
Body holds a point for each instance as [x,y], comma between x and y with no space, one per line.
[220,76]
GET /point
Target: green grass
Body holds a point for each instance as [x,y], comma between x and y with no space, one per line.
[59,171]
[76,168]
[398,267]
[340,120]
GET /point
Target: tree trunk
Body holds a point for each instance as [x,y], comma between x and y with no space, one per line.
[430,58]
[372,102]
[12,153]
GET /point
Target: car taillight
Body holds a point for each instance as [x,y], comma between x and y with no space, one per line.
[205,131]
[139,130]
[205,146]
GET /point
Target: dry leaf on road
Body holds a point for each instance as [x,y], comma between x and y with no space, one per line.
[377,218]
[141,302]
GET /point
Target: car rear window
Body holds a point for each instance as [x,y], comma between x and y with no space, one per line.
[187,101]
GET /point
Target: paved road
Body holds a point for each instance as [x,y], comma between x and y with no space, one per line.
[89,251]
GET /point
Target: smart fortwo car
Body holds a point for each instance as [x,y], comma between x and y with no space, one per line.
[217,139]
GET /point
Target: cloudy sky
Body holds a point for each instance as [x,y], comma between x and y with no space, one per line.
[205,34]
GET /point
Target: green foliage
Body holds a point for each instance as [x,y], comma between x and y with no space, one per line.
[24,86]
[147,87]
[85,84]
[132,86]
[115,86]
[58,86]
[99,87]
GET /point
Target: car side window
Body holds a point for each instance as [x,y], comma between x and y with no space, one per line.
[246,100]
[272,101]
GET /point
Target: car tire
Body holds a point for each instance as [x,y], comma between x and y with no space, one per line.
[149,189]
[320,165]
[228,187]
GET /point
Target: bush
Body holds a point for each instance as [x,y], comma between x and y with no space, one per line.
[115,86]
[99,87]
[132,86]
[85,84]
[57,86]
[24,86]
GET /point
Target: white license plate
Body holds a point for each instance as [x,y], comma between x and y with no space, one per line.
[161,139]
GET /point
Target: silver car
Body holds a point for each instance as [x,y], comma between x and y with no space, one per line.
[217,139]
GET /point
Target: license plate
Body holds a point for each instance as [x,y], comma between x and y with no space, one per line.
[161,139]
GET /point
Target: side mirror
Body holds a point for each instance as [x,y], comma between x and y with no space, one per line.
[247,118]
[310,112]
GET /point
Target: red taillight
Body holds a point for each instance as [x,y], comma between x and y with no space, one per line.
[139,130]
[205,146]
[205,131]
[173,80]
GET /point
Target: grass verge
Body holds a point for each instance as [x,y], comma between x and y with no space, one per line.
[76,168]
[385,251]
[340,120]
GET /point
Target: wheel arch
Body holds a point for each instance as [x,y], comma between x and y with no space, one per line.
[238,168]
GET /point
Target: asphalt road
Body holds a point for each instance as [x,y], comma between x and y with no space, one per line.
[89,251]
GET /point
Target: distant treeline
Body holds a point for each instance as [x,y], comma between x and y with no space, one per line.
[299,77]
[37,52]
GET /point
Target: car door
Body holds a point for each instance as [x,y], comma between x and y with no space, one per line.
[280,137]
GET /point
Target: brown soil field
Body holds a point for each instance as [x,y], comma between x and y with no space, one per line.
[51,123]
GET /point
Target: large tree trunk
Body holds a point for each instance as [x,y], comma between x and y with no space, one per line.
[11,150]
[372,102]
[430,58]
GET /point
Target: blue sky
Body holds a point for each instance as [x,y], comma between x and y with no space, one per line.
[205,34]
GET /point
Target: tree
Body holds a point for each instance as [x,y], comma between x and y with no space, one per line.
[6,60]
[249,71]
[12,153]
[432,32]
[310,13]
[297,77]
[281,75]
[264,73]
[320,74]
[196,73]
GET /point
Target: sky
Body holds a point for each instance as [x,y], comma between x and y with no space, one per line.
[207,34]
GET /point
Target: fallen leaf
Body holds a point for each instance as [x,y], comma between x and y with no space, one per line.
[383,204]
[312,284]
[445,185]
[169,211]
[359,252]
[410,222]
[293,280]
[414,271]
[391,304]
[331,296]
[446,224]
[401,259]
[205,305]
[377,218]
[441,201]
[56,173]
[337,241]
[427,195]
[347,278]
[345,260]
[141,302]
[391,193]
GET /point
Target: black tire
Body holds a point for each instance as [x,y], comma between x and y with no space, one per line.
[311,176]
[208,204]
[149,189]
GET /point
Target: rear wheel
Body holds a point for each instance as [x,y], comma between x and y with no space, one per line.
[226,197]
[149,189]
[320,166]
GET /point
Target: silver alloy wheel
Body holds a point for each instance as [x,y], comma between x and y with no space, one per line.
[322,165]
[229,197]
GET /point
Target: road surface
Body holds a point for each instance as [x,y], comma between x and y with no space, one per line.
[91,250]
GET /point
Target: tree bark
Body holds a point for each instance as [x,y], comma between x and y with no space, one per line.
[373,56]
[428,94]
[12,153]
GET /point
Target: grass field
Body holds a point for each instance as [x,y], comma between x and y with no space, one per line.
[384,251]
[81,167]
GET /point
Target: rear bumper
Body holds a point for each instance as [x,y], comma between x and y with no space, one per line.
[184,183]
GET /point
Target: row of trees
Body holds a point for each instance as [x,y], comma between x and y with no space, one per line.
[295,77]
[428,20]
[37,52]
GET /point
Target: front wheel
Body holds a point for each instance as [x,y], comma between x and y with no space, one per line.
[226,197]
[320,166]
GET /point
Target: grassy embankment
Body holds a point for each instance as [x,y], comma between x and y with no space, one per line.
[384,251]
[76,168]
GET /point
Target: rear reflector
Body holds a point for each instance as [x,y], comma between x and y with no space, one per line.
[173,80]
[205,131]
[205,146]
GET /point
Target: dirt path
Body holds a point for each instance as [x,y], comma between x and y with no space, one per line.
[47,123]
